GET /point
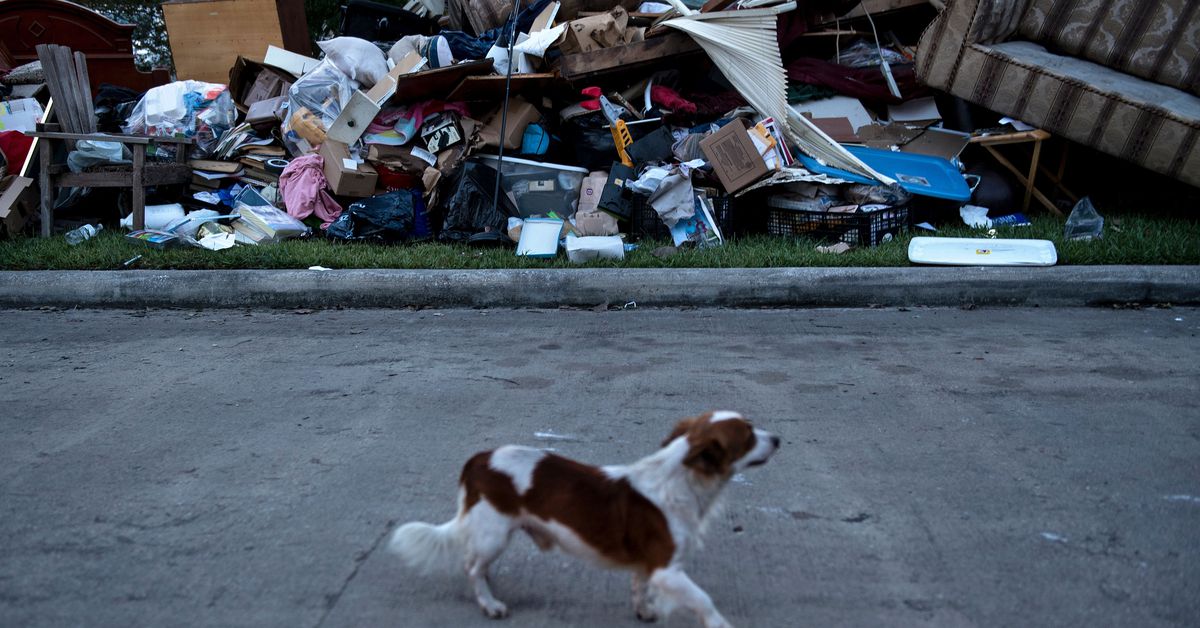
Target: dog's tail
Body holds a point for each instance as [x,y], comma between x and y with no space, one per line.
[429,548]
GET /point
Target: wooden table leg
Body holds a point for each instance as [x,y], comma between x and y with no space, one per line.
[48,190]
[1022,179]
[139,192]
[1033,168]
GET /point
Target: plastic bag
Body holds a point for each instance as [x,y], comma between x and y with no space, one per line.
[314,102]
[201,111]
[864,54]
[1084,223]
[470,215]
[90,153]
[357,58]
[867,194]
[397,216]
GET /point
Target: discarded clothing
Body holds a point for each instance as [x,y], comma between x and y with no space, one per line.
[305,190]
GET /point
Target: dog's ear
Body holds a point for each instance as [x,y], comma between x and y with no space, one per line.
[709,457]
[681,428]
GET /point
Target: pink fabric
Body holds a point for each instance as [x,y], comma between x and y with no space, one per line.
[305,190]
[387,118]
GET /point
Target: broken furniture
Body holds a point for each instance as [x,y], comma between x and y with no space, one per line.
[25,24]
[1028,178]
[1128,88]
[207,36]
[137,176]
[67,77]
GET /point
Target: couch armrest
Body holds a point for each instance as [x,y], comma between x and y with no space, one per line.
[960,24]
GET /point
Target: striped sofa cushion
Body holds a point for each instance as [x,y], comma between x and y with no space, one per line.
[1153,125]
[1158,40]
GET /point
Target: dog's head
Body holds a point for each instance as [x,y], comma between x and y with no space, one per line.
[723,443]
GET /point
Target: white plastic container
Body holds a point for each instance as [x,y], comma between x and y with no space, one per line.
[540,188]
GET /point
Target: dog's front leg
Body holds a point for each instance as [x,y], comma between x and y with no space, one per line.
[673,587]
[641,598]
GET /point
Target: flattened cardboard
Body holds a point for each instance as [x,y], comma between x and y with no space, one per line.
[520,115]
[10,213]
[938,142]
[356,182]
[733,156]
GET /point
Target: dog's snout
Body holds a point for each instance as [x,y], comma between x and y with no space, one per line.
[775,441]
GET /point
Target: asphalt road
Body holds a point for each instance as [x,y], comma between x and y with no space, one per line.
[996,467]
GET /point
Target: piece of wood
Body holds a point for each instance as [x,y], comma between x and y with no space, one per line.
[24,24]
[81,69]
[670,47]
[139,191]
[48,191]
[208,35]
[1010,138]
[121,179]
[124,139]
[491,88]
[436,84]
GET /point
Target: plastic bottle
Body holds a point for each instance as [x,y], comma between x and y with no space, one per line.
[75,236]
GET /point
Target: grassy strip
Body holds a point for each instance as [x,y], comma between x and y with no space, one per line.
[1127,240]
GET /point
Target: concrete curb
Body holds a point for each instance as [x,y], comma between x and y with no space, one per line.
[705,287]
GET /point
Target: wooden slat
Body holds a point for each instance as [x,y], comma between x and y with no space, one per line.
[475,88]
[124,139]
[84,83]
[139,190]
[121,179]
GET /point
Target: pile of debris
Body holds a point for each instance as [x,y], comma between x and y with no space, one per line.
[548,125]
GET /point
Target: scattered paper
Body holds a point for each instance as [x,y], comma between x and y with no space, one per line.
[318,268]
[1016,124]
[836,249]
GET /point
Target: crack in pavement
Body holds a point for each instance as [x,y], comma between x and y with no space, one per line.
[331,601]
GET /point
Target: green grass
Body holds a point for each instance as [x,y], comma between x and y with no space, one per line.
[1127,240]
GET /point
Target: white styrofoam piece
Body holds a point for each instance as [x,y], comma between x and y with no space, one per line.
[981,252]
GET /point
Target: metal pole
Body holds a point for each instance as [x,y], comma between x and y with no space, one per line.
[512,37]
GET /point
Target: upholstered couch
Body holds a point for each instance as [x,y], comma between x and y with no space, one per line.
[1121,76]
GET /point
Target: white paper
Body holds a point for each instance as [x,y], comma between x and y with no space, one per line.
[594,247]
[349,164]
[424,155]
[836,107]
[1017,124]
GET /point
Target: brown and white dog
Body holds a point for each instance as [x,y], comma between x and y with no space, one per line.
[641,517]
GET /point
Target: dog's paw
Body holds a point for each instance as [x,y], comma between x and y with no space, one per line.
[646,615]
[495,610]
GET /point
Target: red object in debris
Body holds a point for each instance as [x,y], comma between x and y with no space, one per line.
[15,146]
[395,179]
[594,94]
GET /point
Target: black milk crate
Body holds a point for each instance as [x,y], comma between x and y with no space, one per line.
[859,228]
[644,223]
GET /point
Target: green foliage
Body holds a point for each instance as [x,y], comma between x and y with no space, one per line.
[151,48]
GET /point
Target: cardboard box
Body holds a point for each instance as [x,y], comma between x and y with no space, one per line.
[732,154]
[14,192]
[520,115]
[596,32]
[358,181]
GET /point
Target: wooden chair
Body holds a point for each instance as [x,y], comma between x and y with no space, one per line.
[138,177]
[67,77]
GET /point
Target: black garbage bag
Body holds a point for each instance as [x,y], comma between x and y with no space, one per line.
[397,216]
[114,104]
[470,214]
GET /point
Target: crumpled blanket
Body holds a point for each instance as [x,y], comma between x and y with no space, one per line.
[306,191]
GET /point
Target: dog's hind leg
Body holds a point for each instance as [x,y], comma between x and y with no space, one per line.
[642,605]
[674,588]
[488,534]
